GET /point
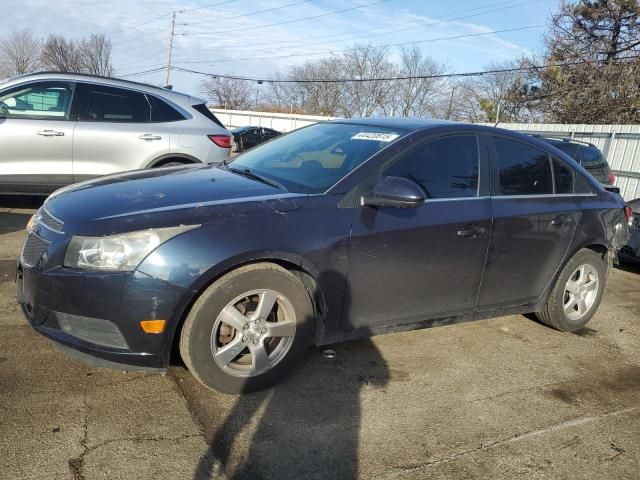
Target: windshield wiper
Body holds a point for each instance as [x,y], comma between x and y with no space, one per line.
[247,172]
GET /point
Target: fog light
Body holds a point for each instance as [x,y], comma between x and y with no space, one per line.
[153,326]
[94,330]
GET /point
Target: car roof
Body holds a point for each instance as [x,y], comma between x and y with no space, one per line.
[404,123]
[96,79]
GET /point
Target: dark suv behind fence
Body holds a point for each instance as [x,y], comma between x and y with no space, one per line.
[587,155]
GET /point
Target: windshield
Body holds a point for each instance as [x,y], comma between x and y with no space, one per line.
[312,159]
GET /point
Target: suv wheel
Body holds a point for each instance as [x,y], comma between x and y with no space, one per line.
[248,329]
[577,292]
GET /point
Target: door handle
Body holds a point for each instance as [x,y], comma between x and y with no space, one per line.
[562,220]
[150,136]
[50,133]
[471,231]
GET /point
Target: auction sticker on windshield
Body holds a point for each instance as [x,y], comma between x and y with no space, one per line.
[376,136]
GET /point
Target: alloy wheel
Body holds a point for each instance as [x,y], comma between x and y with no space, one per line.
[253,333]
[580,292]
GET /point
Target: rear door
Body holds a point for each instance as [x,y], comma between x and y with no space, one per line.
[535,215]
[36,137]
[115,133]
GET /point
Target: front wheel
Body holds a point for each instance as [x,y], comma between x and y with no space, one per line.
[248,329]
[577,292]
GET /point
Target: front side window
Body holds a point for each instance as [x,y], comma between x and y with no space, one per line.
[445,168]
[522,168]
[312,159]
[108,104]
[39,101]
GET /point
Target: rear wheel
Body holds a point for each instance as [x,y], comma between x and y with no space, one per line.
[248,329]
[577,292]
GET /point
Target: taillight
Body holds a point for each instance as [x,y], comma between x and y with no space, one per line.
[223,141]
[612,177]
[628,212]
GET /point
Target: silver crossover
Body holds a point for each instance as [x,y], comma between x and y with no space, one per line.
[57,129]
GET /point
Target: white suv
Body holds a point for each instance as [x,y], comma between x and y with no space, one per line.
[57,129]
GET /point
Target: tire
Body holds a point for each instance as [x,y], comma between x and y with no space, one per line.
[224,338]
[235,147]
[564,311]
[170,164]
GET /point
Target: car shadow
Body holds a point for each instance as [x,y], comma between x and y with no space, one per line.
[306,426]
[15,221]
[629,266]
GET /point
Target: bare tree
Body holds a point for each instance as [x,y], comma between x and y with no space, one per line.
[95,55]
[61,55]
[19,53]
[364,98]
[503,96]
[228,92]
[421,94]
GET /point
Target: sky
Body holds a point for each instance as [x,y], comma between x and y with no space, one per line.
[238,37]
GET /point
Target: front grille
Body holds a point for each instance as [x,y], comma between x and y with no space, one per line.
[49,220]
[34,248]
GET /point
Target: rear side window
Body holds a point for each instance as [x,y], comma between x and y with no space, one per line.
[522,168]
[444,168]
[563,176]
[202,108]
[108,104]
[38,101]
[161,111]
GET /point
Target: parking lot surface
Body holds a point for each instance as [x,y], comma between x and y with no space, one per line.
[503,398]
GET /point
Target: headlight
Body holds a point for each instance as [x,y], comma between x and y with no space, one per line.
[121,253]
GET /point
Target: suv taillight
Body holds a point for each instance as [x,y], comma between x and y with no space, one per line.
[223,141]
[612,177]
[628,212]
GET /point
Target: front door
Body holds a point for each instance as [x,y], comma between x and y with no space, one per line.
[535,216]
[408,265]
[36,137]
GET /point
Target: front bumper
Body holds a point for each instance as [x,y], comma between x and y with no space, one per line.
[104,311]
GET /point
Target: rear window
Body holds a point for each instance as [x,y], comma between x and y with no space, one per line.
[202,108]
[570,149]
[592,156]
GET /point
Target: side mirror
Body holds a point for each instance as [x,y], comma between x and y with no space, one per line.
[396,192]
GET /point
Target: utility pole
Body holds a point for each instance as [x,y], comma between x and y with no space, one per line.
[171,35]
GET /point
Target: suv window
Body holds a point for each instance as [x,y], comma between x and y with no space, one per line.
[522,168]
[161,111]
[40,101]
[108,104]
[569,148]
[445,168]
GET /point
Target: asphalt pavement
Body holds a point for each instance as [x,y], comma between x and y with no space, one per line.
[502,398]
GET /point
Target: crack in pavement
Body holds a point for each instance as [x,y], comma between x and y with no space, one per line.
[76,464]
[515,438]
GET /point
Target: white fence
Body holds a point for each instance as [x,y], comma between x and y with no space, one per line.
[620,144]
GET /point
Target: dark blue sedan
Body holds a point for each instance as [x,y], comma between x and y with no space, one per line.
[337,231]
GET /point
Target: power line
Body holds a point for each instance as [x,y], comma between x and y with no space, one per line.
[335,12]
[329,52]
[407,77]
[411,22]
[246,14]
[462,17]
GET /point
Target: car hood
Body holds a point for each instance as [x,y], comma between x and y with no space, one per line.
[163,197]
